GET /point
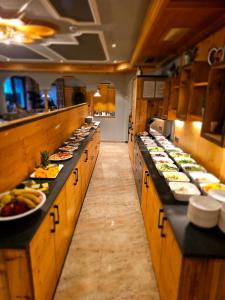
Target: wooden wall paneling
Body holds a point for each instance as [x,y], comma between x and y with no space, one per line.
[184,94]
[20,146]
[3,278]
[215,40]
[204,151]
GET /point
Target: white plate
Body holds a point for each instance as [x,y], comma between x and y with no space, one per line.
[27,212]
[162,159]
[60,168]
[61,159]
[74,149]
[217,194]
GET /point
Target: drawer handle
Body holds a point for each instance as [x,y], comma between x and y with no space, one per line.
[160,225]
[56,207]
[52,215]
[86,152]
[75,172]
[163,235]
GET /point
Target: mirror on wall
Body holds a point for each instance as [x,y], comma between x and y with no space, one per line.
[67,91]
[22,95]
[104,100]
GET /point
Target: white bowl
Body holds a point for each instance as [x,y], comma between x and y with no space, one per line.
[203,177]
[182,191]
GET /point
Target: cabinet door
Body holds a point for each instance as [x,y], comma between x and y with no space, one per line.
[155,223]
[170,265]
[42,259]
[131,147]
[62,237]
[71,201]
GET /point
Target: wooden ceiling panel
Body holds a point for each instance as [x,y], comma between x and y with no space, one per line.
[183,23]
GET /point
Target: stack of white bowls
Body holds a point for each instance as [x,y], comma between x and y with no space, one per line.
[203,211]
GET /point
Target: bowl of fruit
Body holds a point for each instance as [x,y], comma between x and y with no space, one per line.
[19,203]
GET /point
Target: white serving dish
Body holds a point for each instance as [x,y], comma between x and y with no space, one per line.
[160,165]
[174,149]
[185,166]
[180,159]
[155,149]
[182,191]
[203,177]
[156,154]
[162,159]
[181,177]
[60,168]
[10,218]
[203,211]
[180,154]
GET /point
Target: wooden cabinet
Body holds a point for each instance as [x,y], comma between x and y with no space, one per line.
[198,93]
[178,277]
[213,128]
[42,259]
[163,245]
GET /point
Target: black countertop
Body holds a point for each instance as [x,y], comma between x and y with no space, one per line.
[193,241]
[17,234]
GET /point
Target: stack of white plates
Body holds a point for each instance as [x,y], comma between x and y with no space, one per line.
[221,222]
[203,211]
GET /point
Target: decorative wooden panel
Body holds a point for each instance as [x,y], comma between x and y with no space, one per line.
[20,146]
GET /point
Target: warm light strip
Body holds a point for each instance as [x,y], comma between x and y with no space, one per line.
[174,34]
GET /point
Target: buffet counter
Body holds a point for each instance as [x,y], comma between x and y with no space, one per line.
[182,254]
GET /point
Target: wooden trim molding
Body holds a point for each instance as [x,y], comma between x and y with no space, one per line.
[35,117]
[65,68]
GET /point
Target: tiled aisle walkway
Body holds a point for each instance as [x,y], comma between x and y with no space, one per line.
[109,256]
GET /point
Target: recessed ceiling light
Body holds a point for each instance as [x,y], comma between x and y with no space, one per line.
[113,45]
[61,60]
[73,28]
[8,59]
[115,61]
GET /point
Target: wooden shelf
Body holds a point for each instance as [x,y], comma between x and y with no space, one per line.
[194,117]
[215,138]
[200,84]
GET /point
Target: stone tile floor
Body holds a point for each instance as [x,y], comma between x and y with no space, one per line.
[109,255]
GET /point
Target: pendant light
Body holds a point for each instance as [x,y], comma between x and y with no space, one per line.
[97,94]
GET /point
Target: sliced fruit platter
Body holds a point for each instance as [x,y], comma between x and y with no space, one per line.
[49,172]
[60,156]
[19,203]
[68,148]
[176,176]
[203,177]
[166,167]
[192,168]
[32,184]
[183,190]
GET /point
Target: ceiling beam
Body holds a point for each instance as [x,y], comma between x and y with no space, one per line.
[66,68]
[154,11]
